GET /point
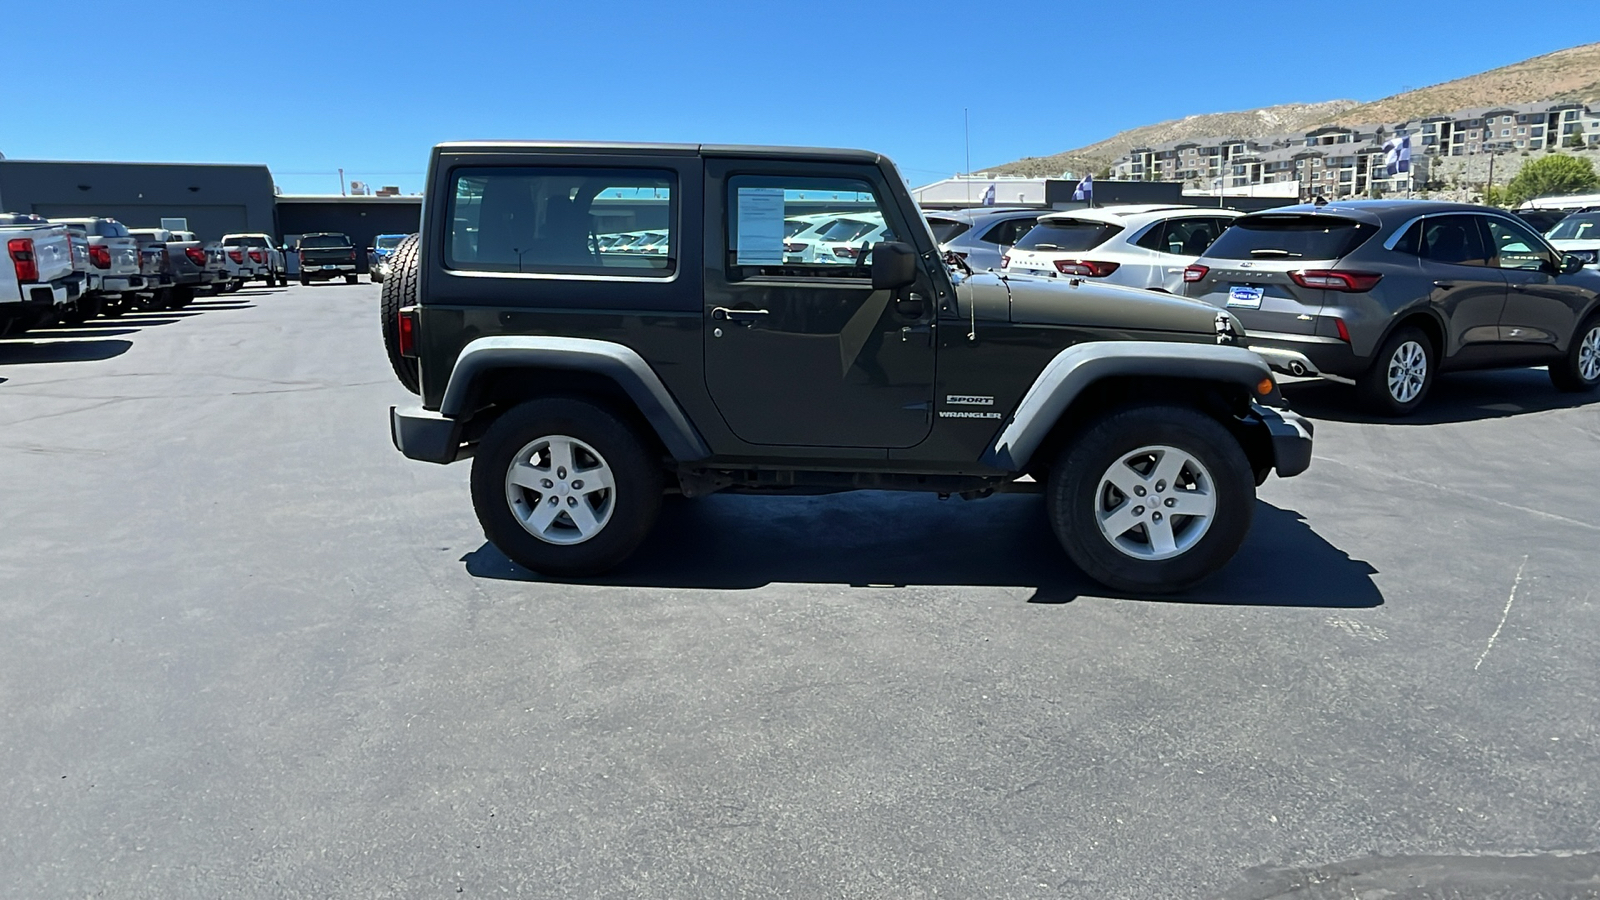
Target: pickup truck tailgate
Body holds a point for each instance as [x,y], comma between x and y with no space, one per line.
[51,249]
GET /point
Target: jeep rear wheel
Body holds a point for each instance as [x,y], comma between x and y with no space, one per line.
[400,291]
[564,487]
[1151,499]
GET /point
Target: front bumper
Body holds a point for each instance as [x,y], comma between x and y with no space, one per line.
[425,435]
[1290,438]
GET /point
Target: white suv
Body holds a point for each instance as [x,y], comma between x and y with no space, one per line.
[1137,246]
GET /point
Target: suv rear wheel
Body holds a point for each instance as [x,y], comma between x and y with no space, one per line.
[400,291]
[1151,499]
[565,488]
[1400,375]
[1579,370]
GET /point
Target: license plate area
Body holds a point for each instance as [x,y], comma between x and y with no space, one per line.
[1244,296]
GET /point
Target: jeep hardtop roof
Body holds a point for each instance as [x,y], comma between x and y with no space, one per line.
[648,149]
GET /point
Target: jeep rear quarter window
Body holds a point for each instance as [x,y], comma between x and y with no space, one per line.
[563,221]
[1291,237]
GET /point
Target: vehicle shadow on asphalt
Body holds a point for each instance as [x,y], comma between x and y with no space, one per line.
[890,539]
[92,331]
[16,353]
[1455,397]
[200,307]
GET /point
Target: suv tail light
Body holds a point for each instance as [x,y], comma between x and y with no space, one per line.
[255,256]
[236,255]
[197,255]
[792,247]
[1195,272]
[100,255]
[352,254]
[1336,280]
[845,252]
[1086,267]
[408,331]
[21,250]
[1005,260]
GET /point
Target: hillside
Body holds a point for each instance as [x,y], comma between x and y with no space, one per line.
[1249,123]
[1571,74]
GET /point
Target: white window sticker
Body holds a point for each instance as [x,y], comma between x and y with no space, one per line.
[760,238]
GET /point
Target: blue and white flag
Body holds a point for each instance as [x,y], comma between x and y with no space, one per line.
[1397,155]
[1085,189]
[988,196]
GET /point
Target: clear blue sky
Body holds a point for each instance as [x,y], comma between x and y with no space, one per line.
[370,87]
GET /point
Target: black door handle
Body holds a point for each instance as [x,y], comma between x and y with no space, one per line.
[737,315]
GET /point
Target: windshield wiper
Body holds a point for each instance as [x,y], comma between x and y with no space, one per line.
[1048,247]
[1272,251]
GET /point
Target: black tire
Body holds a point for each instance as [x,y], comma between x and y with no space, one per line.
[113,309]
[1075,498]
[1583,356]
[633,502]
[305,279]
[351,279]
[181,296]
[82,310]
[1398,353]
[399,292]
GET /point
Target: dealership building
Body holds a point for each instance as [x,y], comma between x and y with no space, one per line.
[211,199]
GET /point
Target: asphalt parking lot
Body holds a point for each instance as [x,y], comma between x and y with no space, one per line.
[250,650]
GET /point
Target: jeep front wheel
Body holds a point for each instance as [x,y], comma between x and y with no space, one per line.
[1152,499]
[564,487]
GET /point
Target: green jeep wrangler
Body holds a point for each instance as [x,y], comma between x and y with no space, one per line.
[597,326]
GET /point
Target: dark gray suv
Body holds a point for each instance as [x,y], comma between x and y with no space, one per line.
[1382,294]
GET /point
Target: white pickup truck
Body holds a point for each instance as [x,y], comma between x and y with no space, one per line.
[261,253]
[37,278]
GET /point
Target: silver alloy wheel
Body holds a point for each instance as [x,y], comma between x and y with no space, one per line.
[1589,355]
[1155,503]
[560,490]
[1408,369]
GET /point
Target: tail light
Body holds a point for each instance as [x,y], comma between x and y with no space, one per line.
[21,250]
[1195,273]
[236,255]
[197,255]
[845,252]
[255,256]
[1336,280]
[792,247]
[352,254]
[1086,267]
[100,255]
[1344,330]
[1005,261]
[166,259]
[408,332]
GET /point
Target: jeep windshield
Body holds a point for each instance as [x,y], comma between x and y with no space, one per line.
[1292,236]
[1071,235]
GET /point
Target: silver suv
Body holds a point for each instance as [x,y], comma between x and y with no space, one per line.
[981,236]
[1383,294]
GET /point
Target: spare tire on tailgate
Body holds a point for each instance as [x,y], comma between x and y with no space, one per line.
[399,292]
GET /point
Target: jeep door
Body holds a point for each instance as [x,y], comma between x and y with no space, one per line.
[806,353]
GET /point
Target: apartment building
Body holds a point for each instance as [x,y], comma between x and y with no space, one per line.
[1348,160]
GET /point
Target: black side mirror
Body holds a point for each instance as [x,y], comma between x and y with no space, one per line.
[894,266]
[1571,264]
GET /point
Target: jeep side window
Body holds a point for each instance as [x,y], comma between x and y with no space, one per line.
[758,206]
[563,221]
